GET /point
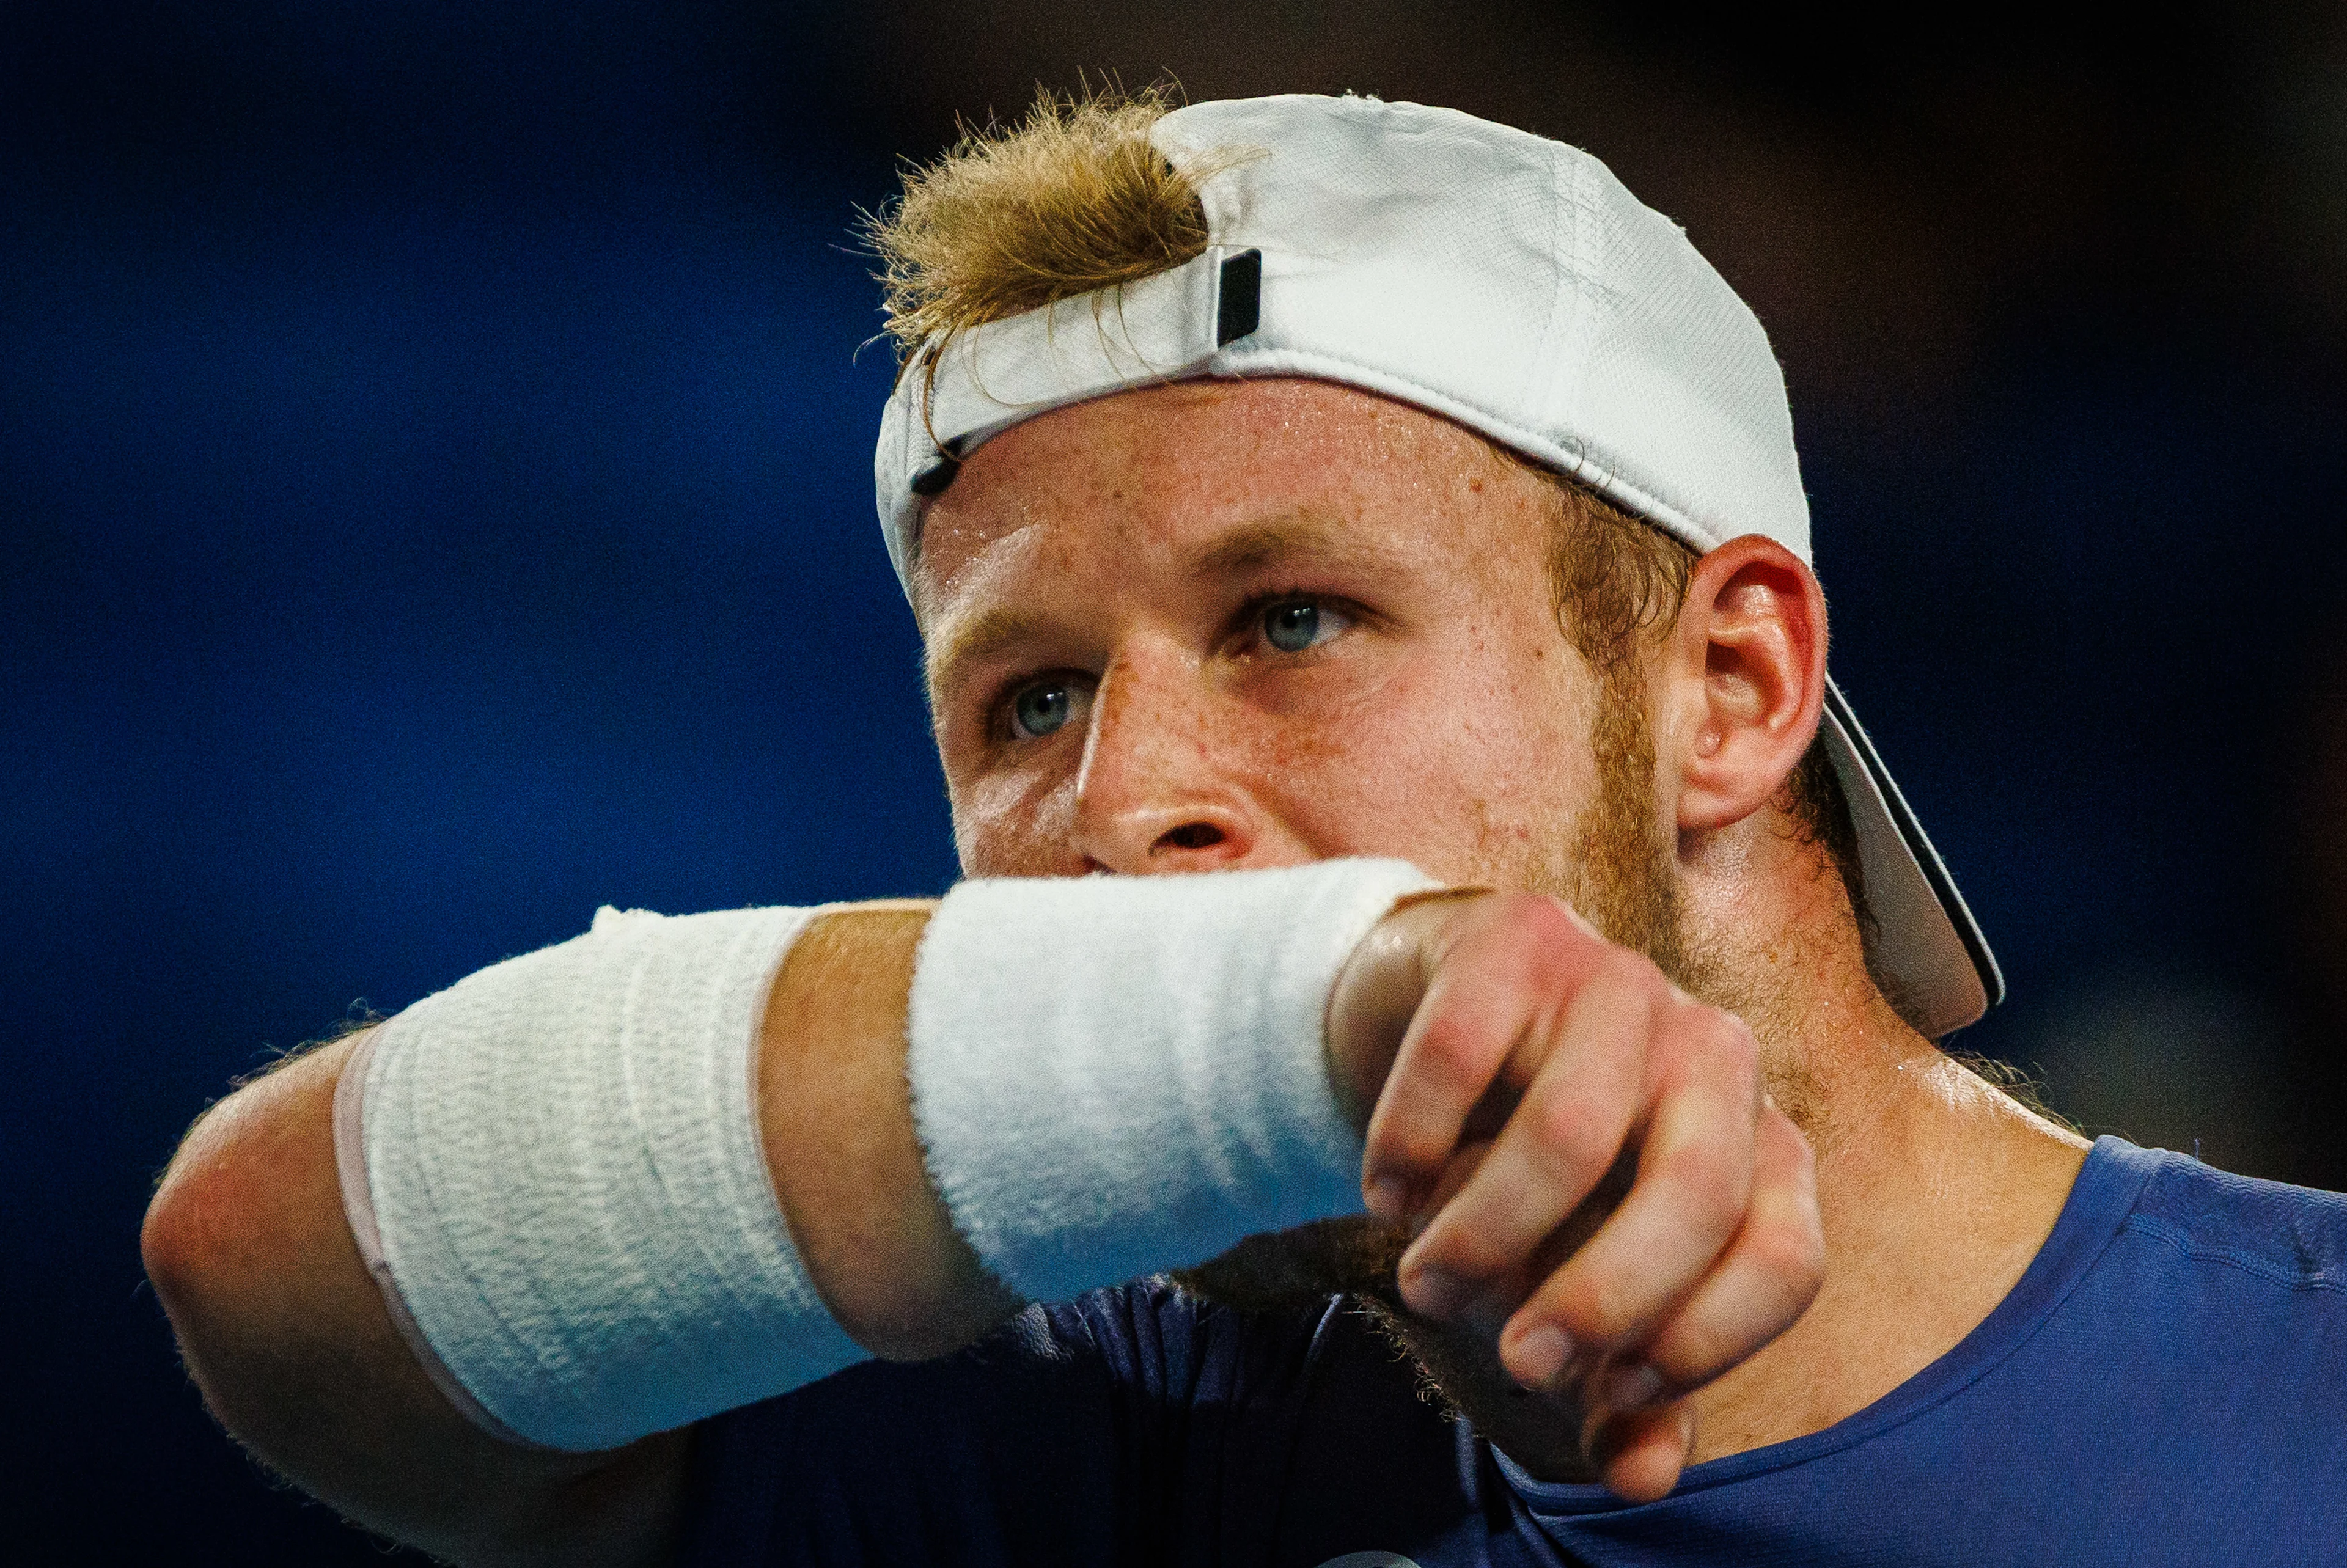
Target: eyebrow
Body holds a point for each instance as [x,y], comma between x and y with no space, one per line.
[1254,545]
[979,639]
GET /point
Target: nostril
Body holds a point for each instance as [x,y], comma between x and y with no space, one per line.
[1191,836]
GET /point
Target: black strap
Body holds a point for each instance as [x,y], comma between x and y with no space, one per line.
[1239,302]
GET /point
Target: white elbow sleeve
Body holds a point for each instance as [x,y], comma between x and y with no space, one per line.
[554,1168]
[559,1161]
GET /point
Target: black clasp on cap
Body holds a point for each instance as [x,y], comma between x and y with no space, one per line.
[1238,302]
[1238,311]
[933,479]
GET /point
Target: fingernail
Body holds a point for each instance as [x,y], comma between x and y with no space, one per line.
[1632,1387]
[1388,1199]
[1538,1356]
[1436,1293]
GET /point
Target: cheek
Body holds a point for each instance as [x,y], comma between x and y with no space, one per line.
[1473,773]
[1012,827]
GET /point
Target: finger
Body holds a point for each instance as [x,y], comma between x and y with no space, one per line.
[1767,1278]
[1512,961]
[1459,1169]
[1640,1454]
[1553,1151]
[1689,1201]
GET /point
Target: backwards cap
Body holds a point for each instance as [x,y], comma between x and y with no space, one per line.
[1500,280]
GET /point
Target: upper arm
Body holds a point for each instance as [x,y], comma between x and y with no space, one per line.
[289,1338]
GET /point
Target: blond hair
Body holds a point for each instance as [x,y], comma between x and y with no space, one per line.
[1074,198]
[1071,200]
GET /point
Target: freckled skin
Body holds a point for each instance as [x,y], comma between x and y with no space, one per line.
[1448,723]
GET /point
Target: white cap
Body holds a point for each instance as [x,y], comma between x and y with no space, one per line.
[1501,280]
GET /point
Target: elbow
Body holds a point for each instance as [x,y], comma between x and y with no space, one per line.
[165,1248]
[180,1241]
[190,1239]
[172,1239]
[246,1214]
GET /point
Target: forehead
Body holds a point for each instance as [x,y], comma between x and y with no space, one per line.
[1134,480]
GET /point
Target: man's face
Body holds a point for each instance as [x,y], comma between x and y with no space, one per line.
[1251,624]
[1259,623]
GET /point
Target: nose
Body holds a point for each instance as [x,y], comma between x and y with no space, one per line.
[1156,792]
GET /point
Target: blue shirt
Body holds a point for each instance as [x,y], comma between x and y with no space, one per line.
[2166,1384]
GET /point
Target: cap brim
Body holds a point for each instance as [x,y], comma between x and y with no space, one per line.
[1928,951]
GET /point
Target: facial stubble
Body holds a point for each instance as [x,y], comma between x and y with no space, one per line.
[1621,873]
[1620,877]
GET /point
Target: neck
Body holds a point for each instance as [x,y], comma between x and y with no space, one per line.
[1936,1189]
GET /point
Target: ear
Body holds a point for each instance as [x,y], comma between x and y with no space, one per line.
[1744,680]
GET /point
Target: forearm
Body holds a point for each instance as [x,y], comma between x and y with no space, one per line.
[837,1124]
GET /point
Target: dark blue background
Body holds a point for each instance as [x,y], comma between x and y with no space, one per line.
[435,500]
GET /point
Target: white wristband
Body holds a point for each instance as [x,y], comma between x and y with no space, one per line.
[556,1166]
[1114,1076]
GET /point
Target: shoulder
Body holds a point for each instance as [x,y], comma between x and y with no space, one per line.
[2292,1238]
[2187,1369]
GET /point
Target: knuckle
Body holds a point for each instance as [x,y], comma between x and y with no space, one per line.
[1630,971]
[1805,1173]
[1568,1134]
[1520,907]
[1506,917]
[1415,1152]
[1630,979]
[1722,1040]
[1705,1047]
[1403,1143]
[1711,1182]
[1731,1039]
[1550,921]
[1391,1151]
[1528,941]
[1790,1250]
[1597,1312]
[1788,1144]
[1455,1051]
[1468,1250]
[1690,1354]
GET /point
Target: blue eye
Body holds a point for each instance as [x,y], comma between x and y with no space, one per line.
[1292,626]
[1044,707]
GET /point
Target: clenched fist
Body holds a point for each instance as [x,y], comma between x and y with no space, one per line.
[1509,1059]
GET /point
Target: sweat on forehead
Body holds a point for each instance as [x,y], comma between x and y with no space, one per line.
[1133,469]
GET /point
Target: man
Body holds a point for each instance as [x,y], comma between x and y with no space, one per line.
[1290,489]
